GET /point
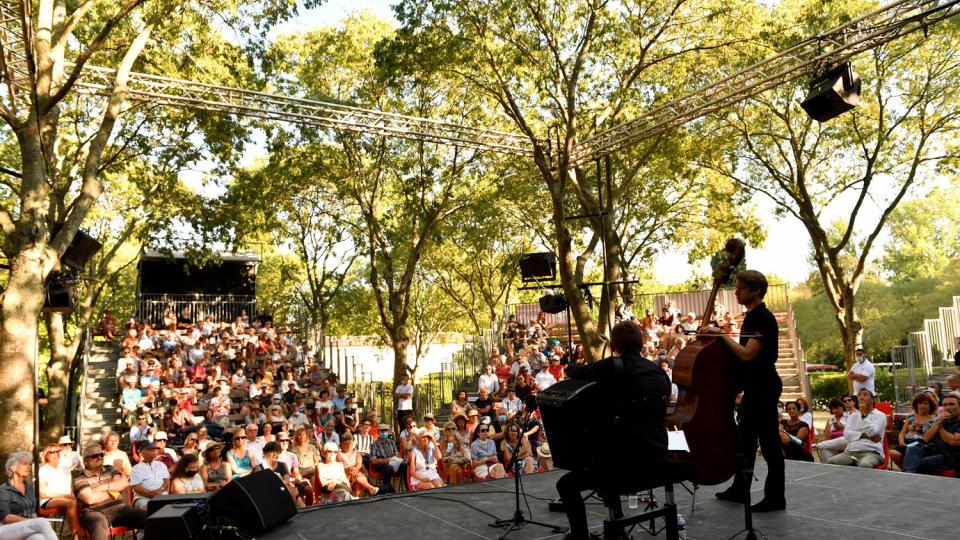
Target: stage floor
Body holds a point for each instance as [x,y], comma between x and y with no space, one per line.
[823,501]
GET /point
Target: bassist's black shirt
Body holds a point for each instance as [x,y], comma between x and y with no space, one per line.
[760,374]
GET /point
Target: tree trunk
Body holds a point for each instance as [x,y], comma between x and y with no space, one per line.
[20,308]
[591,339]
[62,356]
[399,341]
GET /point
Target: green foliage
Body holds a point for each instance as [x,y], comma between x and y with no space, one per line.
[826,386]
[924,234]
[889,312]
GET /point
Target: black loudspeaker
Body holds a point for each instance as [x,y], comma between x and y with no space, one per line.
[81,249]
[254,503]
[834,93]
[58,293]
[553,302]
[568,410]
[538,266]
[160,501]
[174,522]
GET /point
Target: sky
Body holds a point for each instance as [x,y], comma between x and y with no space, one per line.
[784,253]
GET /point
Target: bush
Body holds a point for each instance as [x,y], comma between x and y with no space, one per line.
[826,386]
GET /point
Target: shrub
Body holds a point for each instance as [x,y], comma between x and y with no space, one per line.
[826,386]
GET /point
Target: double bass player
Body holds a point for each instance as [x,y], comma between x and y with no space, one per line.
[761,390]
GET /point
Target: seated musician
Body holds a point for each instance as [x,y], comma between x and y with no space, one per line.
[638,391]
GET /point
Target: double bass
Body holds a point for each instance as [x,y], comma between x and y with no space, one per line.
[706,375]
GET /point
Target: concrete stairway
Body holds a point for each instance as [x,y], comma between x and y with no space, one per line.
[786,360]
[101,410]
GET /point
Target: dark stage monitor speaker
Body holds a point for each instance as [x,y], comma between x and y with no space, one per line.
[538,266]
[160,501]
[565,408]
[832,94]
[254,503]
[174,522]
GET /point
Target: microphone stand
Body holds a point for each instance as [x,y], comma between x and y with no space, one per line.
[518,520]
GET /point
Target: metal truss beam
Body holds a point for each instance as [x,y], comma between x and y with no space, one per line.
[829,48]
[172,92]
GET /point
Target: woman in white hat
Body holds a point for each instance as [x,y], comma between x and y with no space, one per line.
[423,463]
[331,476]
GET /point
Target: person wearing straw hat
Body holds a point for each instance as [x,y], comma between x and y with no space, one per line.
[215,471]
[546,458]
[331,476]
[69,459]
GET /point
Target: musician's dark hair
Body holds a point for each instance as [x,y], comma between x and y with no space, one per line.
[754,280]
[626,337]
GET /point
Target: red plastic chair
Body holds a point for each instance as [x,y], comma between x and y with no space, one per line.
[52,514]
[949,473]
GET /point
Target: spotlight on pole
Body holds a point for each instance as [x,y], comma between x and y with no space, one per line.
[553,302]
[833,93]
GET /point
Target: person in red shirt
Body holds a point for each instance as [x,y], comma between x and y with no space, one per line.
[555,368]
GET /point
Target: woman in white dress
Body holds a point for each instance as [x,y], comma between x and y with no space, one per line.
[56,486]
[423,463]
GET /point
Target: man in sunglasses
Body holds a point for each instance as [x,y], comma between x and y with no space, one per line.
[98,490]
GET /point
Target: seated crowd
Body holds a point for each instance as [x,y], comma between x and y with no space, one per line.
[191,384]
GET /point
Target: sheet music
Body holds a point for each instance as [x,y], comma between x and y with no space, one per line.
[676,441]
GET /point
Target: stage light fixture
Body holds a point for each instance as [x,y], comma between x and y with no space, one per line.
[833,93]
[538,267]
[553,302]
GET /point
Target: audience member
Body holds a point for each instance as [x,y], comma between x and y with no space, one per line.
[456,455]
[353,467]
[18,503]
[385,457]
[917,429]
[831,439]
[69,459]
[423,463]
[215,472]
[862,373]
[945,452]
[150,477]
[98,488]
[167,456]
[241,460]
[56,491]
[864,433]
[515,446]
[793,435]
[483,454]
[404,396]
[186,476]
[331,476]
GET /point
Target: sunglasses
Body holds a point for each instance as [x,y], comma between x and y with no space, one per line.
[448,429]
[484,430]
[239,438]
[53,452]
[95,456]
[848,400]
